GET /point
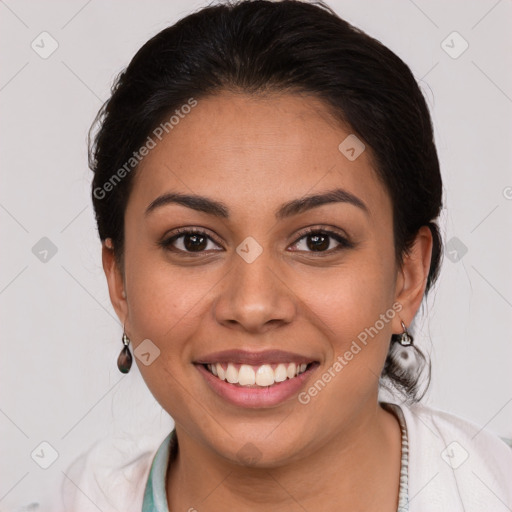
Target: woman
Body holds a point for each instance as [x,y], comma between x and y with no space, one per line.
[266,188]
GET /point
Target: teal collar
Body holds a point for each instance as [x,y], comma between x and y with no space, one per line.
[155,497]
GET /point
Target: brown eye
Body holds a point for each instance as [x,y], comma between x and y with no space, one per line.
[194,242]
[321,241]
[318,242]
[189,241]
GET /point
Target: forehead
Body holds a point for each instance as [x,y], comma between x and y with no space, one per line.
[255,150]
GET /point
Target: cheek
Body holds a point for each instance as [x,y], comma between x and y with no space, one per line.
[164,307]
[349,303]
[352,294]
[163,298]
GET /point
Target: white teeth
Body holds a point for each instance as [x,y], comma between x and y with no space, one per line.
[246,376]
[280,373]
[232,374]
[220,371]
[264,375]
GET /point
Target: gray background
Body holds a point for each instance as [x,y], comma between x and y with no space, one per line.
[60,337]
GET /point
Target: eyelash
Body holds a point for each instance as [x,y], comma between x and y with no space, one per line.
[344,243]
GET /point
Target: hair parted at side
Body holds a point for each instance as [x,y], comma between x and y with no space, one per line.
[262,46]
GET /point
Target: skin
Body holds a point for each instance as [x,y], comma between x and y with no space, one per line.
[254,153]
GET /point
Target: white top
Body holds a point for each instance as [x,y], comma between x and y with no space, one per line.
[453,466]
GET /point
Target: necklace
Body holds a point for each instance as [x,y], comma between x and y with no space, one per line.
[403,493]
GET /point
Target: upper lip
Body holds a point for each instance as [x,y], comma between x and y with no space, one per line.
[253,358]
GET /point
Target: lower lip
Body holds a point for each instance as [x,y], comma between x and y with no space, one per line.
[256,397]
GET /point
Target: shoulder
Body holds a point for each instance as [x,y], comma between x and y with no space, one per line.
[455,464]
[111,475]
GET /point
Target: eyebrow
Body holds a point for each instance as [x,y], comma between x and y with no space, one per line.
[294,207]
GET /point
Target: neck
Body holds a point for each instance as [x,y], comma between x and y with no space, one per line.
[337,476]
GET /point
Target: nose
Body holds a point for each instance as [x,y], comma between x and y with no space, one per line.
[255,297]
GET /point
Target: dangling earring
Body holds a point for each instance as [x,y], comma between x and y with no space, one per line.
[404,338]
[124,361]
[402,351]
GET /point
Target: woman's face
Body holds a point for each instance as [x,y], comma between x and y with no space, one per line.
[253,282]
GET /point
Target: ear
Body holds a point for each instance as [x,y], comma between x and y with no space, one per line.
[412,278]
[115,280]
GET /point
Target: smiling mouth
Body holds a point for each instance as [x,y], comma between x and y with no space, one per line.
[265,375]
